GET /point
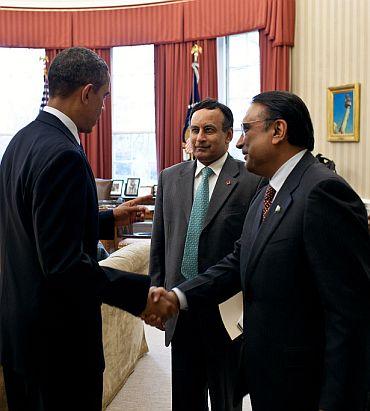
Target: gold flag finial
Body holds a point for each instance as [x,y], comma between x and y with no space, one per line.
[45,61]
[196,50]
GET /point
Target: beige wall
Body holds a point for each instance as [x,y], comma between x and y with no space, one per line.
[332,47]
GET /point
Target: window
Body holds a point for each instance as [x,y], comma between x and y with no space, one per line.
[133,122]
[22,87]
[239,77]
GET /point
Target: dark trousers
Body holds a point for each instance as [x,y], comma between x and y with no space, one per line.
[201,365]
[54,392]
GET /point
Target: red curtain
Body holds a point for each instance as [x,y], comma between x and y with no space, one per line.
[275,65]
[276,40]
[37,29]
[98,143]
[173,80]
[145,24]
[167,22]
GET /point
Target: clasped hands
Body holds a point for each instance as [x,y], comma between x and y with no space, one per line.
[161,306]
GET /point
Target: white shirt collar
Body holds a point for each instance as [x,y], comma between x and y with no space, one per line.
[65,120]
[278,179]
[216,166]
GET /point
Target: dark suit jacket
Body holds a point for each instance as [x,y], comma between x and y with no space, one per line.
[51,286]
[304,276]
[228,205]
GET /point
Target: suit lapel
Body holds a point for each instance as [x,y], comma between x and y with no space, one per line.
[278,209]
[226,183]
[184,189]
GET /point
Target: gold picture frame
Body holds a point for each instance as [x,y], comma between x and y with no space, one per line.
[343,113]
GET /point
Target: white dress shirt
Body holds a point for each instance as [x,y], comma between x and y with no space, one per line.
[278,179]
[65,120]
[216,167]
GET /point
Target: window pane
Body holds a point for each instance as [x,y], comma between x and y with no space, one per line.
[21,92]
[244,49]
[240,71]
[134,151]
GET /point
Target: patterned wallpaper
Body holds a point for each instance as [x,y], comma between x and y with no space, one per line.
[332,48]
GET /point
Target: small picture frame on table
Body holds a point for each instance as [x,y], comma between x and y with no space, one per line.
[154,190]
[116,190]
[144,191]
[132,187]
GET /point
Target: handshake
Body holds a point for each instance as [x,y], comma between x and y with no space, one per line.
[161,305]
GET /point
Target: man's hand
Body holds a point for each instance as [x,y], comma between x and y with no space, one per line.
[161,305]
[130,211]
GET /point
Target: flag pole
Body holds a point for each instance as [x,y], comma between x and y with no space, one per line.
[194,98]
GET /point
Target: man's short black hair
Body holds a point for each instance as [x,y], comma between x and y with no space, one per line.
[289,107]
[75,67]
[212,104]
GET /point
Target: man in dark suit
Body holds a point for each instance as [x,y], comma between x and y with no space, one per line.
[302,263]
[202,351]
[51,286]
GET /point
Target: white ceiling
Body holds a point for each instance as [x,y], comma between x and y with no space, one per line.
[72,3]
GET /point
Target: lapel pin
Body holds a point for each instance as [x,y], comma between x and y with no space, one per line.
[277,209]
[228,182]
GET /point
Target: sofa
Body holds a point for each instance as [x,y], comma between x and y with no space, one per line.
[123,334]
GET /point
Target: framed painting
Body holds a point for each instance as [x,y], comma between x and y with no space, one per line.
[343,113]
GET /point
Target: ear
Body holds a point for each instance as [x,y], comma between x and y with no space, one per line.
[229,135]
[280,128]
[85,93]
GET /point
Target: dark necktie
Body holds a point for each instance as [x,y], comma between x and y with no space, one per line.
[267,200]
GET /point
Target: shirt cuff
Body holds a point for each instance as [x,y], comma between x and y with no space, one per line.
[182,298]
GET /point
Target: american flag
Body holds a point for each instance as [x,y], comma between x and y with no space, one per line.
[194,98]
[45,93]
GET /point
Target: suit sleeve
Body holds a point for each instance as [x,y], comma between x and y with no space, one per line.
[157,270]
[337,244]
[106,225]
[215,285]
[59,210]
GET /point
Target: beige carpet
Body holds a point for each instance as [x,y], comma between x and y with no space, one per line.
[149,386]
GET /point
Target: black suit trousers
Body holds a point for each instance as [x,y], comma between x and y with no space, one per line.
[199,365]
[57,391]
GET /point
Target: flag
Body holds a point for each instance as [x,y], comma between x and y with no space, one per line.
[45,93]
[194,98]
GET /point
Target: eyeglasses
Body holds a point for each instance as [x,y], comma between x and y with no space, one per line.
[245,127]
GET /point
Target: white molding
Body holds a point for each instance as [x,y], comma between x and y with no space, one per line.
[73,4]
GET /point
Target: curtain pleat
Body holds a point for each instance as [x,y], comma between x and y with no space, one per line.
[173,80]
[275,65]
[216,18]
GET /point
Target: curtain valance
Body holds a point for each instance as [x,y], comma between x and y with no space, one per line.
[171,22]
